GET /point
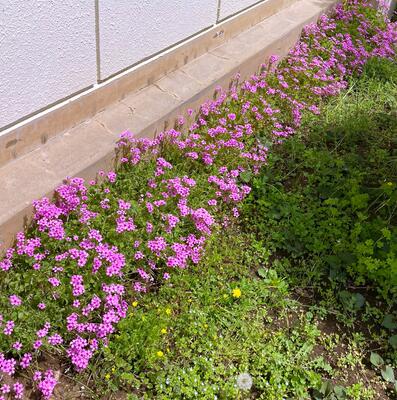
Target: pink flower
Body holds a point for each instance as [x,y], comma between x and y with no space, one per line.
[37,344]
[15,300]
[54,281]
[166,276]
[9,328]
[26,360]
[17,346]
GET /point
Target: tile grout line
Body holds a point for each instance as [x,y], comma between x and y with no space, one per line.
[218,11]
[97,45]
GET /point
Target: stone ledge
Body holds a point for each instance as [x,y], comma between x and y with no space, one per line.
[88,147]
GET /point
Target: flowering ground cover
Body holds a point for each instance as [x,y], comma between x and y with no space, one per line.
[71,281]
[271,316]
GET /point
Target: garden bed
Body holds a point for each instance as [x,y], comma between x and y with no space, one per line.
[74,283]
[267,306]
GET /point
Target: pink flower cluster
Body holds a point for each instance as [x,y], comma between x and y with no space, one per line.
[97,246]
[45,382]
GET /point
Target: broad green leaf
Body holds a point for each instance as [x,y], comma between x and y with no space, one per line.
[262,272]
[340,392]
[359,300]
[393,341]
[388,374]
[246,176]
[376,359]
[389,322]
[326,388]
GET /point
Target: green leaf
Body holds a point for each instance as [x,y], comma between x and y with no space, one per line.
[246,176]
[389,322]
[388,374]
[386,233]
[359,300]
[340,392]
[376,359]
[127,376]
[317,395]
[393,341]
[360,200]
[262,272]
[326,388]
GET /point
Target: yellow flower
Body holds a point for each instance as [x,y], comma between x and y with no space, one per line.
[236,293]
[134,304]
[107,376]
[168,311]
[164,331]
[113,369]
[160,354]
[205,326]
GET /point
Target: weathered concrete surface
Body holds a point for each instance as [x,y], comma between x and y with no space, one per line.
[88,147]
